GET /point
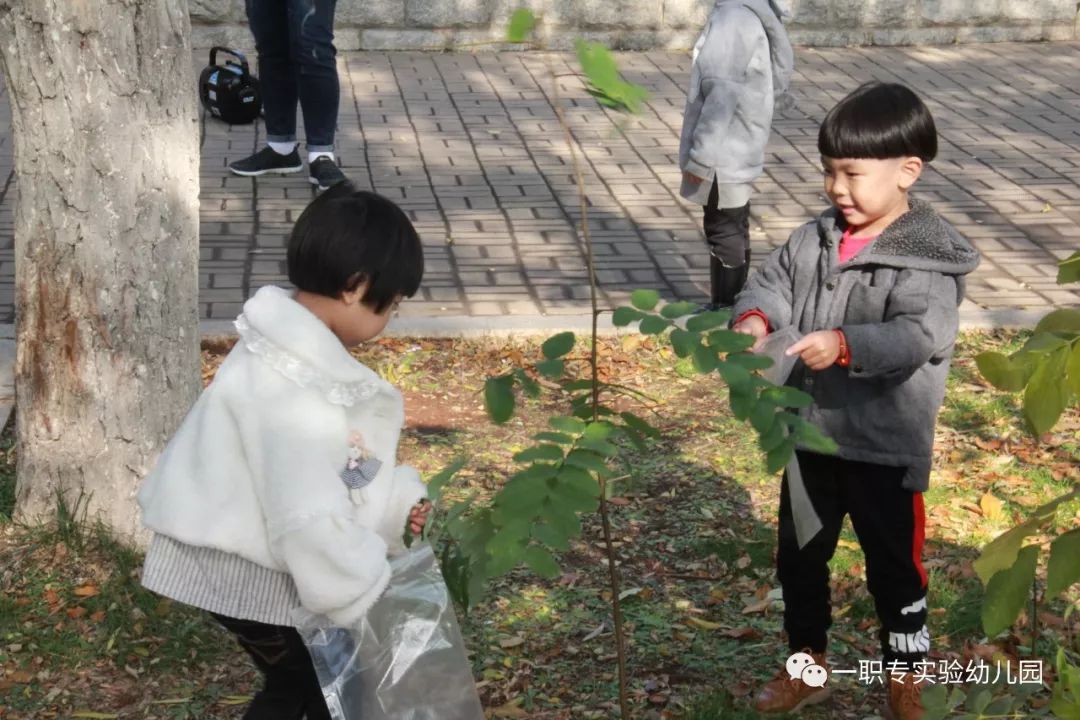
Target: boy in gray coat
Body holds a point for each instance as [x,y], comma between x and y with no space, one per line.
[873,286]
[742,63]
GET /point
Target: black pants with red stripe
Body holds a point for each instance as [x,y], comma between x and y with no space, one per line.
[890,524]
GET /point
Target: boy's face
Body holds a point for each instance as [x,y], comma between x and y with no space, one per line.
[870,193]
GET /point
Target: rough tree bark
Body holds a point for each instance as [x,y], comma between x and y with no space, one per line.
[106,245]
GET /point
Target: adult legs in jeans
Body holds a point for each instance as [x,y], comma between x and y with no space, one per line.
[727,232]
[297,62]
[291,688]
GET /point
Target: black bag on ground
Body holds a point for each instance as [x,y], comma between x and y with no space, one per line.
[229,91]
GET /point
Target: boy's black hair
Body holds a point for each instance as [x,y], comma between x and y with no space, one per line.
[346,237]
[880,121]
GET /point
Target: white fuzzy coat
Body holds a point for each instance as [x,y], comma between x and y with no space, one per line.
[255,468]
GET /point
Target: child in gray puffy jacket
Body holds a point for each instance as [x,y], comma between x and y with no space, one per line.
[742,65]
[873,286]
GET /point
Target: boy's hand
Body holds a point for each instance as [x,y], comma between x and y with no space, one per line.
[692,178]
[752,325]
[418,516]
[818,350]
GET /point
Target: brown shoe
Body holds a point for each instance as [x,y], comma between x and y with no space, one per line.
[905,699]
[783,694]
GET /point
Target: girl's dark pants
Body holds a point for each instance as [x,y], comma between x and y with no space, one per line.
[889,522]
[291,688]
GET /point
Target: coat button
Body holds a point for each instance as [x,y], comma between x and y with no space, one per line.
[830,285]
[858,368]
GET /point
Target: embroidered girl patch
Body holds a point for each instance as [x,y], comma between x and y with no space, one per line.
[360,469]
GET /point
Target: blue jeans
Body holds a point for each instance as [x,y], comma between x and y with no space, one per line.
[295,43]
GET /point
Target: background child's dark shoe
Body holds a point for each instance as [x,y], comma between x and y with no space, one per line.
[325,173]
[268,161]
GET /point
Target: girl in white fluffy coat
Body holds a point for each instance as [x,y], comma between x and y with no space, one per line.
[280,489]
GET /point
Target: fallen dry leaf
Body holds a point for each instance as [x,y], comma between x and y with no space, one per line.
[992,507]
[86,591]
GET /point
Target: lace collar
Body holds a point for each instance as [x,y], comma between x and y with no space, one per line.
[295,343]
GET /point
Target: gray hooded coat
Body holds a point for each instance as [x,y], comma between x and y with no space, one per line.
[897,303]
[742,65]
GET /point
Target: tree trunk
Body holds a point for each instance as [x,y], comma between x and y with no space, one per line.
[106,246]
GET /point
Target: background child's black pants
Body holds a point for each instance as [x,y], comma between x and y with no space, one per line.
[727,232]
[291,687]
[890,524]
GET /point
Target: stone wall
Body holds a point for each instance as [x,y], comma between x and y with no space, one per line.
[672,24]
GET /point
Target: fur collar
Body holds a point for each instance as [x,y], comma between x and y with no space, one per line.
[919,239]
[285,335]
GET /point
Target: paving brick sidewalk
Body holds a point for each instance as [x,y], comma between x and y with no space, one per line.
[469,145]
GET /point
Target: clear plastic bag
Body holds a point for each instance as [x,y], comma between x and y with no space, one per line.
[405,660]
[774,346]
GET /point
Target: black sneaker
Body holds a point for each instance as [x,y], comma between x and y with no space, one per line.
[266,161]
[325,173]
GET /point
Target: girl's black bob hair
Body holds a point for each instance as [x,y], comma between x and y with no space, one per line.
[879,121]
[346,237]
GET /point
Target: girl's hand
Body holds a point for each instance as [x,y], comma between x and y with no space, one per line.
[418,516]
[818,350]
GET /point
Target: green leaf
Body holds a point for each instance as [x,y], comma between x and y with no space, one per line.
[1069,269]
[561,521]
[607,86]
[653,325]
[554,437]
[751,361]
[678,309]
[558,345]
[1044,344]
[772,437]
[934,697]
[810,437]
[504,556]
[730,341]
[789,397]
[1002,707]
[438,480]
[978,700]
[603,447]
[548,453]
[778,458]
[1063,569]
[705,359]
[742,402]
[575,480]
[1008,591]
[1001,372]
[598,430]
[541,562]
[736,376]
[638,424]
[1000,554]
[708,320]
[623,316]
[520,498]
[551,368]
[763,417]
[1073,369]
[520,26]
[530,386]
[683,342]
[499,398]
[1064,321]
[1047,394]
[569,425]
[550,536]
[586,460]
[644,299]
